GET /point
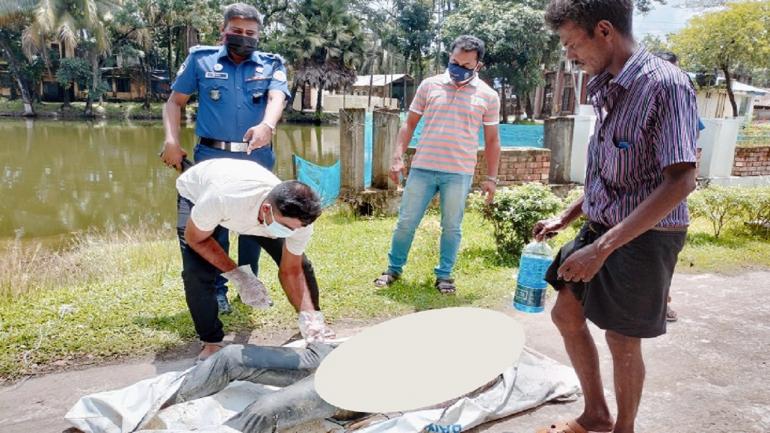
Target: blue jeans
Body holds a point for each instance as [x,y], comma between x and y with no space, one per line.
[250,250]
[421,187]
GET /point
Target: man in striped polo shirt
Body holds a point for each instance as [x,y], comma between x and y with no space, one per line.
[455,105]
[641,168]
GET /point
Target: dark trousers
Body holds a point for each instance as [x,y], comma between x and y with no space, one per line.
[296,403]
[198,275]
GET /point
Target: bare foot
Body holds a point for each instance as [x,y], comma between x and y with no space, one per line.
[671,315]
[598,424]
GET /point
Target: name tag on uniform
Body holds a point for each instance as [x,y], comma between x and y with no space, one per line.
[256,78]
[217,75]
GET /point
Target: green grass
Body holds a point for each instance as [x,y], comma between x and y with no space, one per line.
[111,296]
[111,110]
[125,294]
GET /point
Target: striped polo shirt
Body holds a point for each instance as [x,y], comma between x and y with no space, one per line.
[452,118]
[646,121]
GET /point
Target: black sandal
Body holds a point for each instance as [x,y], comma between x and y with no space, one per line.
[386,279]
[446,286]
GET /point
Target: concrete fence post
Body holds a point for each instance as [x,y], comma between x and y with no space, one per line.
[386,125]
[352,124]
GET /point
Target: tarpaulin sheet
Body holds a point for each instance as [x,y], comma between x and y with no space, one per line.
[536,379]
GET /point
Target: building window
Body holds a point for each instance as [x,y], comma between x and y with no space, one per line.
[123,85]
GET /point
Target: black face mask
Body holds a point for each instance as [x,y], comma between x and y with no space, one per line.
[239,45]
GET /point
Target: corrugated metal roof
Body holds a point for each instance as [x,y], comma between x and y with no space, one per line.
[378,80]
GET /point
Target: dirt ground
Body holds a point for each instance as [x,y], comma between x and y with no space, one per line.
[709,373]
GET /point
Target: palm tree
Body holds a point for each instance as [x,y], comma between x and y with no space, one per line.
[72,23]
[325,44]
[14,16]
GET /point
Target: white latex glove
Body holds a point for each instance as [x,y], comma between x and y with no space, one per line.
[313,327]
[251,290]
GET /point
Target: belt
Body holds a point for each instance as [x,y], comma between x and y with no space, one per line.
[230,146]
[601,229]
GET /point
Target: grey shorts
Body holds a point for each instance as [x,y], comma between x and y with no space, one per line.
[629,293]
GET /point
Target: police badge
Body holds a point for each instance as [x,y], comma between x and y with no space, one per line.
[214,94]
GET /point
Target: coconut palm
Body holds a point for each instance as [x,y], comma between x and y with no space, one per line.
[14,16]
[72,23]
[325,45]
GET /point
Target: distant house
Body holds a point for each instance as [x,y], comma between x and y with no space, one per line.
[563,91]
[394,86]
[713,102]
[762,107]
[125,80]
[392,91]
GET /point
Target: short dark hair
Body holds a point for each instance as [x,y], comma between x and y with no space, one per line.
[242,11]
[469,43]
[587,13]
[294,199]
[667,56]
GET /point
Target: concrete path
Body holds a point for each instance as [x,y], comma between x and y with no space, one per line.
[708,374]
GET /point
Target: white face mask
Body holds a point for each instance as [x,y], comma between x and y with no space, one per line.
[277,229]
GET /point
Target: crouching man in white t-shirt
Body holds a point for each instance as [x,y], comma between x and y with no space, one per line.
[246,198]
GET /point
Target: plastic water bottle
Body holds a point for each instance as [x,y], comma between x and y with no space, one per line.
[530,284]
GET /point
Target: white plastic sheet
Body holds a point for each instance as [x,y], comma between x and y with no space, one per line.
[536,379]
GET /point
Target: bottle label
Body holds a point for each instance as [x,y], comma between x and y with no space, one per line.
[529,297]
[532,270]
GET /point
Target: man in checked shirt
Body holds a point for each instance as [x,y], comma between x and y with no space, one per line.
[641,168]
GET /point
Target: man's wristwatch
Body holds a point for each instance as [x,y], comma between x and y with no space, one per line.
[492,179]
[269,125]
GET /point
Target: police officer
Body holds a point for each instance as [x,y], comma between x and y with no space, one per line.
[241,94]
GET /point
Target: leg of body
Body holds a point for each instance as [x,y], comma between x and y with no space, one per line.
[276,366]
[420,188]
[453,193]
[629,372]
[568,316]
[293,405]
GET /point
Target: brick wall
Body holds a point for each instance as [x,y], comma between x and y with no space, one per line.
[517,165]
[752,161]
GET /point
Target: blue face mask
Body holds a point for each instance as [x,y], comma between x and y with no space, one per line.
[458,74]
[277,229]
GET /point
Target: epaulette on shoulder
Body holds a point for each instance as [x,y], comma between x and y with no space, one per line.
[275,57]
[203,48]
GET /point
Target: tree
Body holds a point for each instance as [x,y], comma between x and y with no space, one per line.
[325,45]
[415,31]
[647,5]
[73,70]
[736,37]
[134,32]
[22,69]
[73,23]
[517,42]
[655,44]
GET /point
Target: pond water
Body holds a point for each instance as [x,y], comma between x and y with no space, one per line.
[61,177]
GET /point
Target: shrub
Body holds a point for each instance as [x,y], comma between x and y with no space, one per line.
[514,213]
[572,196]
[720,206]
[758,211]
